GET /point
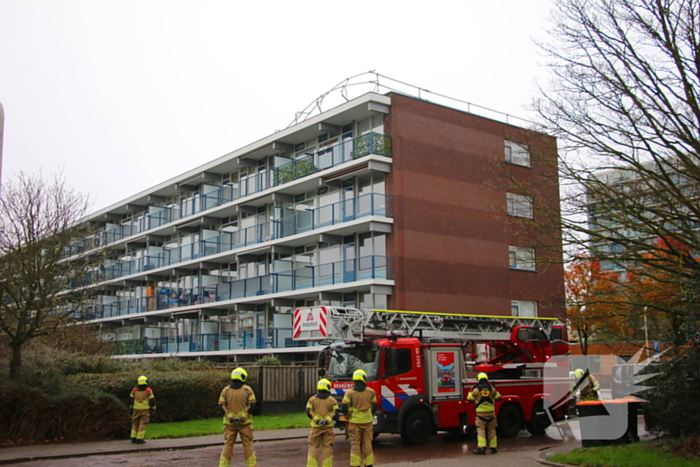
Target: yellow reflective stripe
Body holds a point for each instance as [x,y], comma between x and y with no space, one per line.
[251,461]
[223,462]
[362,416]
[311,462]
[369,460]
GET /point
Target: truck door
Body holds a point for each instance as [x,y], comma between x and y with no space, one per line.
[401,377]
[445,373]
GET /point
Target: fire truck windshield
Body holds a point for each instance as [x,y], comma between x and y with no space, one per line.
[344,362]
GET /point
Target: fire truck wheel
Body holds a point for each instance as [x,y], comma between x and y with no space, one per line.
[538,421]
[510,421]
[417,428]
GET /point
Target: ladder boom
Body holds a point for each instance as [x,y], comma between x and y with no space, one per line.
[351,324]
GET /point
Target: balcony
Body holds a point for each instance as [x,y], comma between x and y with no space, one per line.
[266,338]
[370,143]
[326,158]
[305,277]
[371,204]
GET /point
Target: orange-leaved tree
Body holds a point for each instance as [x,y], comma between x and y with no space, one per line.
[591,298]
[662,285]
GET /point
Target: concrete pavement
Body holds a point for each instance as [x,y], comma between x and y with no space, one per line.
[508,457]
[34,452]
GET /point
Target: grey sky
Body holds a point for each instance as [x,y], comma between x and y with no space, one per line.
[123,95]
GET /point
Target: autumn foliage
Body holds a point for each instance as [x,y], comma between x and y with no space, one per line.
[592,299]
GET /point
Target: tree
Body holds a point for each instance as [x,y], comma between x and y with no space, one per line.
[39,221]
[591,296]
[624,103]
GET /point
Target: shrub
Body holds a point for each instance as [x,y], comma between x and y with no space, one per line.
[268,360]
[672,400]
[180,395]
[74,413]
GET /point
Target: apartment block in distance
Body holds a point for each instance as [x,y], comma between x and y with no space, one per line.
[386,201]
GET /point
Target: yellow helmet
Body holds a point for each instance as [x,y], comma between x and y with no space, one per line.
[239,374]
[323,385]
[481,376]
[578,373]
[359,375]
[143,380]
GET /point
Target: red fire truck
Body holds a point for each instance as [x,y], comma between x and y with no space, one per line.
[423,365]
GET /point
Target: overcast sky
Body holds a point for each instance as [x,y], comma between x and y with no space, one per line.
[123,95]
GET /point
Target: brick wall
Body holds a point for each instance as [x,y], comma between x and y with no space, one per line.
[450,238]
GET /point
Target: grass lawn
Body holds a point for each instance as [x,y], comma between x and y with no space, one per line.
[214,426]
[629,455]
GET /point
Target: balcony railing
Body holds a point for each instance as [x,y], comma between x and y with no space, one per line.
[308,276]
[266,338]
[371,204]
[370,143]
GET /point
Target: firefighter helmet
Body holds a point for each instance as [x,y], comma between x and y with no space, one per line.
[323,385]
[578,373]
[359,375]
[481,376]
[143,380]
[239,374]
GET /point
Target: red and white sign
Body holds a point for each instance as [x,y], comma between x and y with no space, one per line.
[312,322]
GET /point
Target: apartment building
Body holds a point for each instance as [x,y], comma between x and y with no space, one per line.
[632,223]
[387,201]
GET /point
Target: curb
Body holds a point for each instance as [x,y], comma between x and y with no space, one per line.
[543,455]
[182,447]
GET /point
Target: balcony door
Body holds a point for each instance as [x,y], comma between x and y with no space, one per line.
[347,200]
[349,262]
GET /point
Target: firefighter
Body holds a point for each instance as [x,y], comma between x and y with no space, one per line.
[321,409]
[143,404]
[485,395]
[237,400]
[358,405]
[589,392]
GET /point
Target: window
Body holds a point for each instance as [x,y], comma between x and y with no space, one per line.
[397,362]
[523,308]
[521,258]
[519,205]
[517,154]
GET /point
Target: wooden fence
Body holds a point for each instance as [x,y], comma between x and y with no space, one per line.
[283,383]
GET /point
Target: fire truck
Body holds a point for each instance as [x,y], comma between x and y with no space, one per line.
[423,365]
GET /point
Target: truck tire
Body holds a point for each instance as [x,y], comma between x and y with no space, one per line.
[510,421]
[539,421]
[417,428]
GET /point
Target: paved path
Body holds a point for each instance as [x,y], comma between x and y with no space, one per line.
[287,447]
[283,443]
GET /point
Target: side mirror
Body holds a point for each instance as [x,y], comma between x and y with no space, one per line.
[321,372]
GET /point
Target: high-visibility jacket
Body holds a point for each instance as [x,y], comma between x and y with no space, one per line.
[235,403]
[360,405]
[142,398]
[485,397]
[322,409]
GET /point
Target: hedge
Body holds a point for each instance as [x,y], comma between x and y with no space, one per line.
[180,396]
[75,413]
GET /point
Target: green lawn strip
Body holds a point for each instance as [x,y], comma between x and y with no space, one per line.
[214,426]
[630,455]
